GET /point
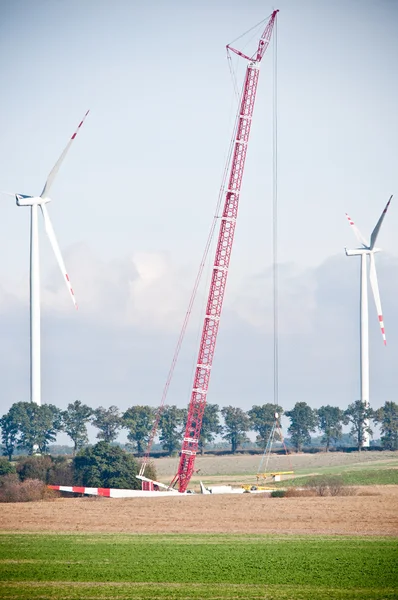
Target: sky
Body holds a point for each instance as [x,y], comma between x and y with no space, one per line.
[134,200]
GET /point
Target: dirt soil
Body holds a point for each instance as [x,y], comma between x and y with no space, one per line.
[372,511]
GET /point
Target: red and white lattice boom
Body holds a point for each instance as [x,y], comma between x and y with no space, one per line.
[221,264]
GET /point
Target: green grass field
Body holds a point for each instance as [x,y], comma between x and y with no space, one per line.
[241,469]
[197,566]
[350,476]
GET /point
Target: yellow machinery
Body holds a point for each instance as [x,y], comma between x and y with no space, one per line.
[276,476]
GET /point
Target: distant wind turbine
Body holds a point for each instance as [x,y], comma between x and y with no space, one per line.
[364,251]
[34,202]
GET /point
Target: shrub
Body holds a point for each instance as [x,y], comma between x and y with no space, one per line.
[6,467]
[9,486]
[324,485]
[336,486]
[60,472]
[320,485]
[278,493]
[34,467]
[30,490]
[51,470]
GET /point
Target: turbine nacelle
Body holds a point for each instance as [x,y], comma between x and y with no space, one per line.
[360,251]
[23,200]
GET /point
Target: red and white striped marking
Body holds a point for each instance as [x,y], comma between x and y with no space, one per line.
[356,231]
[56,167]
[375,289]
[78,127]
[70,288]
[111,492]
[82,490]
[387,205]
[382,329]
[53,241]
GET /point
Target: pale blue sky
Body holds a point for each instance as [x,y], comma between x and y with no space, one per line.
[137,192]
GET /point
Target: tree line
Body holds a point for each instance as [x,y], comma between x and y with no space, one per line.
[32,428]
[101,465]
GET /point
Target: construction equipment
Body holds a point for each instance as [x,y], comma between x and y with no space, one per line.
[221,262]
[276,476]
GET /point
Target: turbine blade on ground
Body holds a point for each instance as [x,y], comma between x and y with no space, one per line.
[53,241]
[55,169]
[375,289]
[376,230]
[358,234]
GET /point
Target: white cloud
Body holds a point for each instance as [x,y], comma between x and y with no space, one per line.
[118,348]
[144,290]
[157,295]
[253,301]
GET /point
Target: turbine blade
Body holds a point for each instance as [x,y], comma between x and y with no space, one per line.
[7,193]
[53,241]
[55,169]
[376,294]
[376,230]
[358,234]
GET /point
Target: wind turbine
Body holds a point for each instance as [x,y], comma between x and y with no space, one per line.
[364,251]
[35,202]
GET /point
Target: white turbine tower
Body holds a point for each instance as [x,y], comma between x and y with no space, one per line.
[364,251]
[35,202]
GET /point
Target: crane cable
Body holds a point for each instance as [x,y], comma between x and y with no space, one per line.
[276,428]
[275,272]
[267,450]
[275,282]
[255,27]
[202,265]
[233,75]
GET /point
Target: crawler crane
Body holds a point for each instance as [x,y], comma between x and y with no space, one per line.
[211,323]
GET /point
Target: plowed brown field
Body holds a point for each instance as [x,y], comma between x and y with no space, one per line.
[352,515]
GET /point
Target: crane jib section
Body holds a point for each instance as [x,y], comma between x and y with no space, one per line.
[218,282]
